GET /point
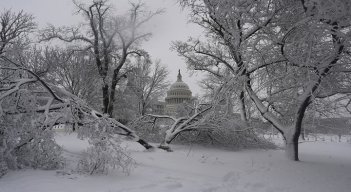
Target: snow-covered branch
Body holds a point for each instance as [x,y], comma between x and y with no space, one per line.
[265,111]
[182,124]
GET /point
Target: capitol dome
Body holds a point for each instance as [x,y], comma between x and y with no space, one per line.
[178,93]
[179,85]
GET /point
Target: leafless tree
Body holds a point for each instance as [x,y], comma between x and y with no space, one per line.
[315,47]
[13,26]
[287,54]
[111,41]
[148,83]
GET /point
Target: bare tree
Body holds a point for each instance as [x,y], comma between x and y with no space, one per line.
[148,83]
[111,41]
[287,54]
[13,26]
[314,45]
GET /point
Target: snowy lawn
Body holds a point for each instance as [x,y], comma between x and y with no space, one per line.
[325,167]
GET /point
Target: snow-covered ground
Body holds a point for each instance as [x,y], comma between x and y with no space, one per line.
[325,167]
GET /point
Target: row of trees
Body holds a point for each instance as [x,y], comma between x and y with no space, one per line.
[279,56]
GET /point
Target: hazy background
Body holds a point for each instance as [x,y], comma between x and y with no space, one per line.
[170,26]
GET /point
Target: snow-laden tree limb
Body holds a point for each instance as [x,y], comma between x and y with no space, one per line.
[179,125]
[53,104]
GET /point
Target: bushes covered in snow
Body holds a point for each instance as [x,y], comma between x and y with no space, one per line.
[25,137]
[224,131]
[105,152]
[100,159]
[150,130]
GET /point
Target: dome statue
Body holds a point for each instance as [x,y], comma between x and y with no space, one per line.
[178,93]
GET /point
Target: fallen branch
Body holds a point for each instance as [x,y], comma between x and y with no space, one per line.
[56,104]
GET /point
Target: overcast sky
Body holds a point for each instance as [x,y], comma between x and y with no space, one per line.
[170,26]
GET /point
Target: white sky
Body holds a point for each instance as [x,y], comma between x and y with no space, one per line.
[170,26]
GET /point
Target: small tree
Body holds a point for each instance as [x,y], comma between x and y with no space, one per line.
[148,83]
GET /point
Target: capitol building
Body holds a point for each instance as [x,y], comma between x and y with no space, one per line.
[178,94]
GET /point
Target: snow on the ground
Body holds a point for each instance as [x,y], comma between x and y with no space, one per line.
[325,167]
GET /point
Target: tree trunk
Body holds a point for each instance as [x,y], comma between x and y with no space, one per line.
[105,98]
[111,105]
[169,137]
[243,115]
[242,108]
[292,150]
[112,96]
[293,134]
[292,142]
[303,136]
[142,108]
